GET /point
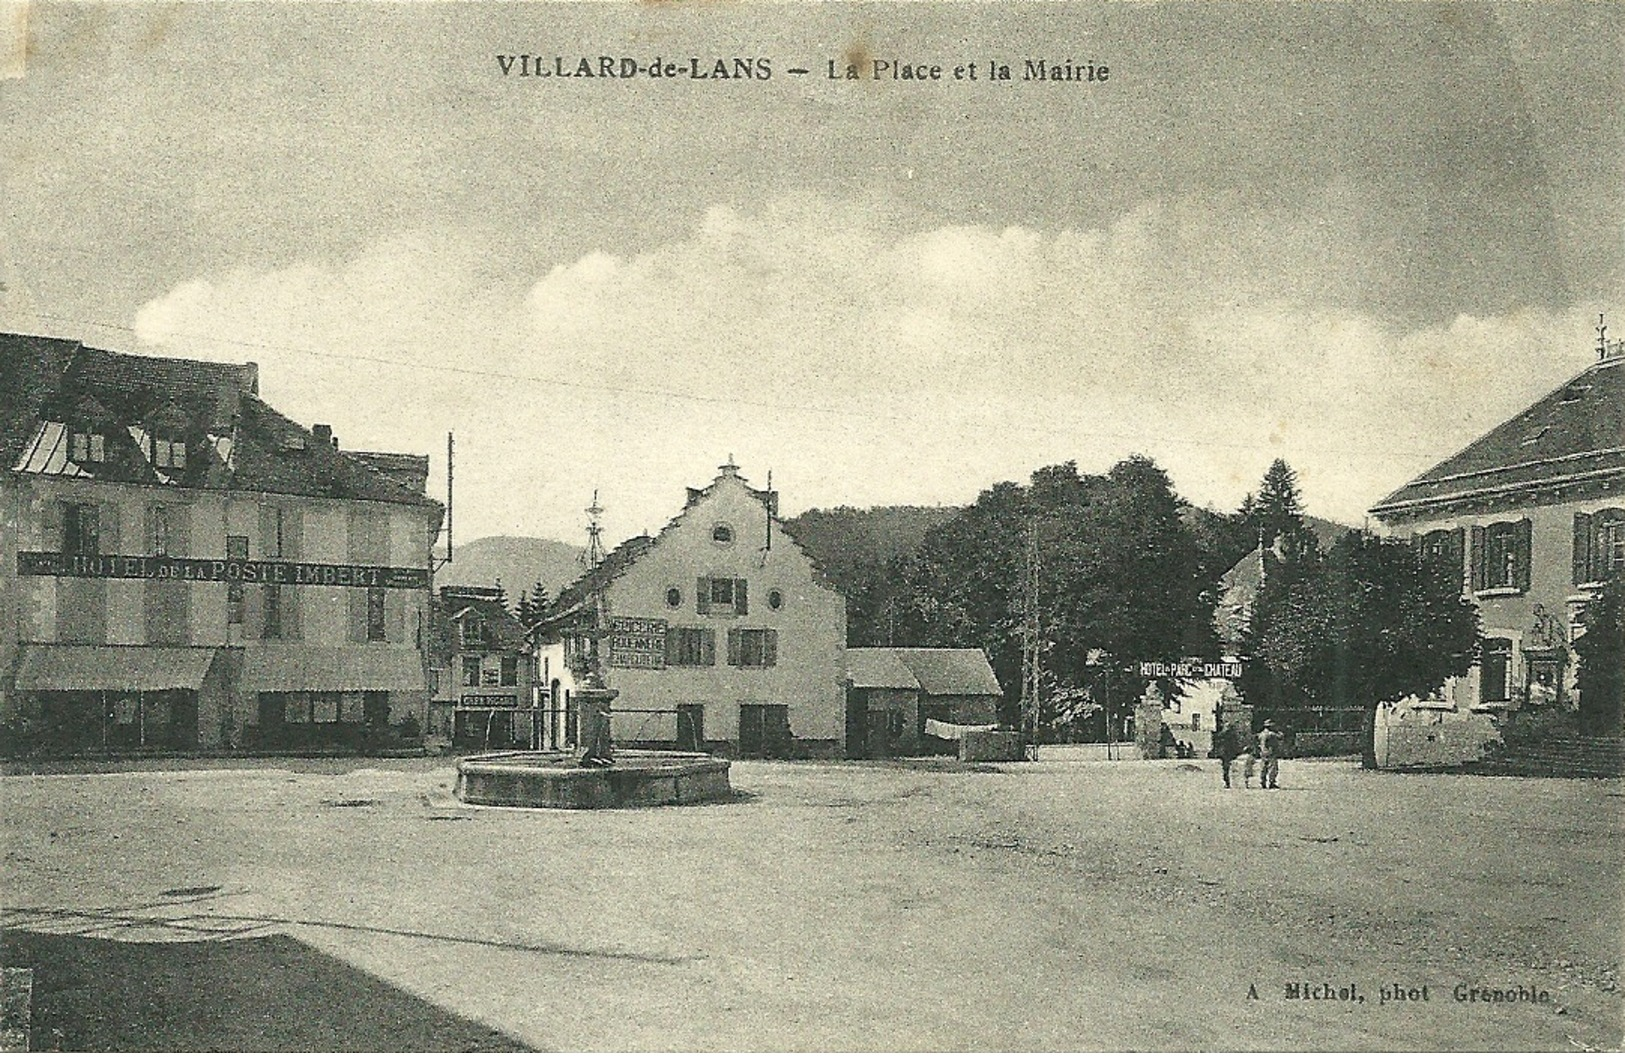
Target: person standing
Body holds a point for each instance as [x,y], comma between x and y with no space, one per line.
[1270,745]
[1227,746]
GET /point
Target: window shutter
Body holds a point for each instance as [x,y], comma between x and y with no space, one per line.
[394,614]
[358,614]
[253,612]
[1456,548]
[733,647]
[672,638]
[107,529]
[709,646]
[180,531]
[1525,532]
[741,605]
[149,531]
[53,514]
[702,595]
[268,531]
[1582,548]
[770,648]
[1478,558]
[291,628]
[293,533]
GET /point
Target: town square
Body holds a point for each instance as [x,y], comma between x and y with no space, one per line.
[812,527]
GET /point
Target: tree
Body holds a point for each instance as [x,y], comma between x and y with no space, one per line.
[1601,674]
[1375,621]
[532,605]
[1274,516]
[1118,569]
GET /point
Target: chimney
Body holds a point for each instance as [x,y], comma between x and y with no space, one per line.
[324,433]
[251,378]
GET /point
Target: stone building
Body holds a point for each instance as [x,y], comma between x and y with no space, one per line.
[719,633]
[1533,514]
[184,567]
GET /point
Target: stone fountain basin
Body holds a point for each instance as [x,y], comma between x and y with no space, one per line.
[638,778]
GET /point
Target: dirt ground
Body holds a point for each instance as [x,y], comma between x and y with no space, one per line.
[1058,905]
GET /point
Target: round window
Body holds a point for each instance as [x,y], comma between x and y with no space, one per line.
[674,597]
[775,598]
[722,534]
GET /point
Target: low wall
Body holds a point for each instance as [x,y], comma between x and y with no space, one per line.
[1407,736]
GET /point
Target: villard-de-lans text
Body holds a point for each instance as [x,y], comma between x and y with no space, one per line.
[762,68]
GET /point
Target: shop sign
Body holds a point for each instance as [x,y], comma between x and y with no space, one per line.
[217,570]
[1191,670]
[637,642]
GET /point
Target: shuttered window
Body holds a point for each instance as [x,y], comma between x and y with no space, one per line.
[753,647]
[1599,545]
[691,647]
[721,595]
[1500,556]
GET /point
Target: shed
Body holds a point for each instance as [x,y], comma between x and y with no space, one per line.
[893,690]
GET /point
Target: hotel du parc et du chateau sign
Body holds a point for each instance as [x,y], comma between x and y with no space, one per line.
[219,570]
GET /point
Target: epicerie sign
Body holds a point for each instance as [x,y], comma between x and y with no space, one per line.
[637,642]
[216,570]
[1191,670]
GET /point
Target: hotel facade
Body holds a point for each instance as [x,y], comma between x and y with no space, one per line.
[185,568]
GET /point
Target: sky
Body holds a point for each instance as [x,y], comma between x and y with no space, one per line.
[1356,236]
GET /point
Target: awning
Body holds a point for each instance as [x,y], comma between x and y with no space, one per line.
[293,667]
[113,667]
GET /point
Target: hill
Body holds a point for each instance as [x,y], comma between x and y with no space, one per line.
[517,561]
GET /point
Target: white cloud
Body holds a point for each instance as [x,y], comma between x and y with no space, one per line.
[868,365]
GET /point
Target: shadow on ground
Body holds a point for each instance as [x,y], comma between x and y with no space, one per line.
[263,993]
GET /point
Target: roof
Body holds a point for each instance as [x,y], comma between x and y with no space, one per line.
[624,556]
[595,579]
[1238,588]
[51,388]
[503,629]
[879,669]
[935,671]
[1575,433]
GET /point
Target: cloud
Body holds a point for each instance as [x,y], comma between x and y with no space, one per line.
[868,364]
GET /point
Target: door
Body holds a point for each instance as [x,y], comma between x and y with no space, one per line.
[690,728]
[751,727]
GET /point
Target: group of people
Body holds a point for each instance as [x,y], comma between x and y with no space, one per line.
[1262,750]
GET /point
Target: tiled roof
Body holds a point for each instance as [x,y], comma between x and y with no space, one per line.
[588,583]
[936,671]
[1575,433]
[232,439]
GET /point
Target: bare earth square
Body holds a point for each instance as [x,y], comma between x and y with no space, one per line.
[1058,905]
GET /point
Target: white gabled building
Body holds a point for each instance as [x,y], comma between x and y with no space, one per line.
[719,633]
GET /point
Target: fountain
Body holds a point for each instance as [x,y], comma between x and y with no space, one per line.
[597,776]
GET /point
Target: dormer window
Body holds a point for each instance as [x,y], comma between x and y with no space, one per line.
[473,632]
[168,454]
[87,446]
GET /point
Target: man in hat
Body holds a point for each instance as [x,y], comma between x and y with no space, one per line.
[1270,744]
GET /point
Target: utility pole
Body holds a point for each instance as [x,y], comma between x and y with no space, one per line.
[1032,648]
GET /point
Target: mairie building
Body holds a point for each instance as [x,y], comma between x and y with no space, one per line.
[182,568]
[1532,514]
[719,634]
